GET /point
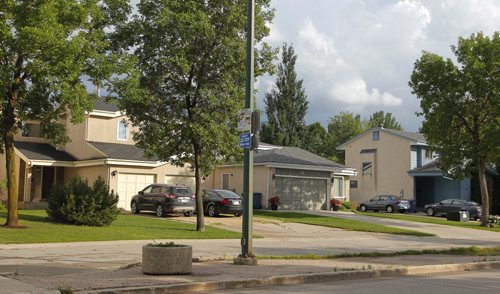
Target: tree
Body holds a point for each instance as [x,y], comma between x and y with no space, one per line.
[342,128]
[45,49]
[286,104]
[190,79]
[383,120]
[461,106]
[315,139]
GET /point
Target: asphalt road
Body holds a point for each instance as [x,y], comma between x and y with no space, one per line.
[476,282]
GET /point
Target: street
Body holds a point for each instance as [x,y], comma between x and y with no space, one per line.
[476,282]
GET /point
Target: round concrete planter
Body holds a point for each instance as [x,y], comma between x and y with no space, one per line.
[174,260]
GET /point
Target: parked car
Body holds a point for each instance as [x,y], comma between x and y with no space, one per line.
[389,203]
[453,205]
[163,199]
[216,202]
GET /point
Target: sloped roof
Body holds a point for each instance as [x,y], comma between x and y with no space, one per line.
[293,155]
[431,167]
[42,151]
[101,104]
[413,136]
[122,151]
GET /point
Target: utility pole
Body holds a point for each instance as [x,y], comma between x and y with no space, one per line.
[247,257]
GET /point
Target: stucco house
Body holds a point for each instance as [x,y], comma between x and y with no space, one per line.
[101,145]
[399,163]
[303,180]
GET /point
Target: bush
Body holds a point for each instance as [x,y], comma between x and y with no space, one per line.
[78,203]
[349,206]
[2,205]
[335,204]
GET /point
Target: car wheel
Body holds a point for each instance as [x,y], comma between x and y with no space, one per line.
[212,211]
[389,209]
[430,211]
[363,208]
[238,214]
[188,213]
[134,207]
[159,210]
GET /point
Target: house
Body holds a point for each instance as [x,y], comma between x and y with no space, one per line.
[302,180]
[399,163]
[101,145]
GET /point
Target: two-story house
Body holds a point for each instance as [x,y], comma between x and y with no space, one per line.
[101,145]
[398,163]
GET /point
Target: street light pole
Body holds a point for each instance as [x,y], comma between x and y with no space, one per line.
[247,229]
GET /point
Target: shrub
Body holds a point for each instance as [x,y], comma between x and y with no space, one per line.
[349,206]
[2,205]
[78,203]
[275,200]
[335,204]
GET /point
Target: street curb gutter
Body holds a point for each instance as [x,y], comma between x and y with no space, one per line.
[299,279]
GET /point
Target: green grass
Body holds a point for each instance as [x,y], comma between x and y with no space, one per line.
[346,224]
[125,227]
[431,220]
[464,251]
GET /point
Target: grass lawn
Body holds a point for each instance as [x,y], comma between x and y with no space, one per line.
[350,225]
[125,227]
[430,220]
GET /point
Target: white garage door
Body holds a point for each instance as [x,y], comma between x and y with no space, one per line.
[129,185]
[301,193]
[181,180]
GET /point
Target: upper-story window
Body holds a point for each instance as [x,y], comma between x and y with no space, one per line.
[366,168]
[31,130]
[122,130]
[376,135]
[428,153]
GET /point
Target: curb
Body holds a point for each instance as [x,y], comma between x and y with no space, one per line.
[303,278]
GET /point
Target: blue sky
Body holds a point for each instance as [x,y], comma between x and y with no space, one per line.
[357,55]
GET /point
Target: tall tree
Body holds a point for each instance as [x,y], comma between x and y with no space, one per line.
[45,49]
[461,106]
[286,104]
[384,120]
[315,138]
[190,79]
[341,128]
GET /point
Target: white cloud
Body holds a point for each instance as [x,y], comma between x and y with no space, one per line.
[355,92]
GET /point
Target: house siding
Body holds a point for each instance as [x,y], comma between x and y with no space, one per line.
[104,129]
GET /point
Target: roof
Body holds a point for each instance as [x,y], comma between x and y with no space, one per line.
[430,168]
[42,151]
[293,155]
[413,136]
[101,104]
[122,151]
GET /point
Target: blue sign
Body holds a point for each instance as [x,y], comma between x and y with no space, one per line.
[245,140]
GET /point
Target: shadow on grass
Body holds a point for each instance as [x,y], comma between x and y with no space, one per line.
[287,215]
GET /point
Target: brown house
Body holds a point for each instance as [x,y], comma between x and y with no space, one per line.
[101,145]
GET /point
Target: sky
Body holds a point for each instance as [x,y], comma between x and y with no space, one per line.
[358,55]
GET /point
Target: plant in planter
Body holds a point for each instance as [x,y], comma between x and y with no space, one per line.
[166,259]
[335,204]
[274,201]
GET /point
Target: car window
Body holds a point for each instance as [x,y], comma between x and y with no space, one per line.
[446,202]
[376,198]
[163,189]
[228,194]
[458,202]
[182,190]
[384,198]
[155,190]
[210,195]
[147,189]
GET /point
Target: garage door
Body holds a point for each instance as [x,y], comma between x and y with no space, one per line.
[301,193]
[181,180]
[129,185]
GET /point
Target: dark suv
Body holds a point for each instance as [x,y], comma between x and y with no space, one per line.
[164,198]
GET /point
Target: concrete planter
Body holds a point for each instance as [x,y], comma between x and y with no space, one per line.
[173,260]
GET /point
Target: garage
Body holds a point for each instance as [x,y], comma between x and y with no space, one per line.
[129,185]
[181,180]
[301,190]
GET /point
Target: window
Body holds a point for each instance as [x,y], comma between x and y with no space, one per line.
[122,129]
[366,168]
[147,189]
[428,153]
[376,135]
[225,181]
[353,184]
[156,190]
[31,130]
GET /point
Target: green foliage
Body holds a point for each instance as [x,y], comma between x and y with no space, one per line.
[286,105]
[2,206]
[78,203]
[383,120]
[341,128]
[315,139]
[349,206]
[461,106]
[164,244]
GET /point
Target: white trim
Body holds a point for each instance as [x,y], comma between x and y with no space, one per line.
[347,171]
[94,163]
[103,113]
[301,177]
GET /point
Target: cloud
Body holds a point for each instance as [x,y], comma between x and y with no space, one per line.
[355,92]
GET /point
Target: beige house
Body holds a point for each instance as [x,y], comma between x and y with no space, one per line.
[398,163]
[101,145]
[302,180]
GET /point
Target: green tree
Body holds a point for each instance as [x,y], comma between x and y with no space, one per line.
[461,106]
[383,120]
[286,104]
[315,139]
[341,128]
[45,49]
[190,79]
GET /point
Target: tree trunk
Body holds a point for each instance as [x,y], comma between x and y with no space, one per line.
[200,222]
[10,161]
[484,193]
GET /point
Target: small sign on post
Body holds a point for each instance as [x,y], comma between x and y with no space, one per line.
[245,140]
[245,120]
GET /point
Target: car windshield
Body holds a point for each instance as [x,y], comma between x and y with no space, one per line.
[183,191]
[228,194]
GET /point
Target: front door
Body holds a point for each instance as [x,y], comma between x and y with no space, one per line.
[48,176]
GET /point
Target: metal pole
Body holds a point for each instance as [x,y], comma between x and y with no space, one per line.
[246,240]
